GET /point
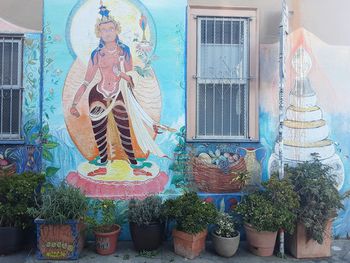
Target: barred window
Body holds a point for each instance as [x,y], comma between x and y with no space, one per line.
[10,87]
[222,69]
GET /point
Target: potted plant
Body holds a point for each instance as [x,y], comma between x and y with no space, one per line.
[146,223]
[225,236]
[192,216]
[16,195]
[60,222]
[103,220]
[267,210]
[315,184]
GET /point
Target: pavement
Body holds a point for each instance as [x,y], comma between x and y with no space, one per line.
[126,254]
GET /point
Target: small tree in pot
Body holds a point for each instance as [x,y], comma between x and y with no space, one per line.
[315,184]
[265,211]
[146,223]
[225,236]
[192,216]
[103,220]
[60,222]
[17,194]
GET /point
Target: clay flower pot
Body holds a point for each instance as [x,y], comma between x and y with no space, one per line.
[189,245]
[300,246]
[260,243]
[225,246]
[107,240]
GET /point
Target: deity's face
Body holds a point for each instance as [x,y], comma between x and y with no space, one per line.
[108,32]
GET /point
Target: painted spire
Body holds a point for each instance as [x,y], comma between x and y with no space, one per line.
[143,25]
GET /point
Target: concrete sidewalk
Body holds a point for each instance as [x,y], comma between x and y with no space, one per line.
[126,254]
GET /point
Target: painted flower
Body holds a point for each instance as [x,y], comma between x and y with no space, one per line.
[208,200]
[57,38]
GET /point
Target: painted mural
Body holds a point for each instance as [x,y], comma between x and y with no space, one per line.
[316,108]
[306,133]
[116,131]
[114,106]
[116,140]
[27,157]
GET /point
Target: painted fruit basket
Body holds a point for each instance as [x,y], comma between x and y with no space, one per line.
[211,177]
[55,241]
[8,169]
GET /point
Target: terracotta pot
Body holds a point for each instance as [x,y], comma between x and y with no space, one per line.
[225,246]
[301,247]
[147,237]
[106,242]
[260,243]
[189,245]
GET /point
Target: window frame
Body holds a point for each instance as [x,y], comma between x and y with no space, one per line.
[193,12]
[14,138]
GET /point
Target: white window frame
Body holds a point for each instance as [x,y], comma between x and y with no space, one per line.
[12,38]
[251,14]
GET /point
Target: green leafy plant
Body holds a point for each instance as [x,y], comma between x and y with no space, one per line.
[181,159]
[102,216]
[59,204]
[17,193]
[144,212]
[271,208]
[315,183]
[225,225]
[192,215]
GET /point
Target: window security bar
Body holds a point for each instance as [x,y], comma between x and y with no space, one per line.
[11,90]
[222,77]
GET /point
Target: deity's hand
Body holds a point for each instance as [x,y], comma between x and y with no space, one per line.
[130,82]
[73,110]
[156,129]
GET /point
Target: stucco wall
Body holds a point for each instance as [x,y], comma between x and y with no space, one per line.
[69,40]
[326,19]
[25,13]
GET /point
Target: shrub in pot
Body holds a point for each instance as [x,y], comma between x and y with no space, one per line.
[146,223]
[225,236]
[267,210]
[315,184]
[60,222]
[17,193]
[192,216]
[103,220]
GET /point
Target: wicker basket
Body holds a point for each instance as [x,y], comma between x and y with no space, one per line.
[8,170]
[211,179]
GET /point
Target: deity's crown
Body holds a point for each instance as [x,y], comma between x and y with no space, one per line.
[104,12]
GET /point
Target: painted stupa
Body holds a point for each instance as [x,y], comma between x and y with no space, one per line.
[305,131]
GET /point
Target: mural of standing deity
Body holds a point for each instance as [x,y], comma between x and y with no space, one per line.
[114,115]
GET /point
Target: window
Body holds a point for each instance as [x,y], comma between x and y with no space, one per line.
[222,71]
[10,87]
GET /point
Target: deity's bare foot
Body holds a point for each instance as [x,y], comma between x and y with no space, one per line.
[99,171]
[138,172]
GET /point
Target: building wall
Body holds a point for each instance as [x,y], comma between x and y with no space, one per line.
[161,93]
[26,155]
[69,144]
[26,14]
